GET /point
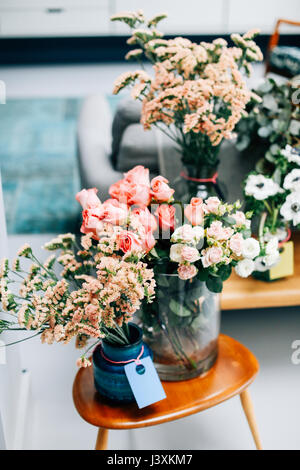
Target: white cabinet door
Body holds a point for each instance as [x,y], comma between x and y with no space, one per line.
[189,17]
[262,14]
[54,22]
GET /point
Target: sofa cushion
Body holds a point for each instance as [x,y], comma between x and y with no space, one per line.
[128,112]
[140,147]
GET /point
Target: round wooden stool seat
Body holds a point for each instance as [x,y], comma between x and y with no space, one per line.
[234,371]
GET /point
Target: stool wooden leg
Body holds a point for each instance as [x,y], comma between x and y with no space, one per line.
[249,412]
[102,438]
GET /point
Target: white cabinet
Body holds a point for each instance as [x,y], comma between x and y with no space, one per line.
[184,17]
[22,18]
[263,15]
[34,18]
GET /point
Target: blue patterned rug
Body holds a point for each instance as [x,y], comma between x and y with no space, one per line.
[39,164]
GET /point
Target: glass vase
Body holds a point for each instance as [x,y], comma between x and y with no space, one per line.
[201,182]
[182,327]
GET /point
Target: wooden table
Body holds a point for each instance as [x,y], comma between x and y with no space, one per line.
[239,293]
[234,371]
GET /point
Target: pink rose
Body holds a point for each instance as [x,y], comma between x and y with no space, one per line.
[120,191]
[148,241]
[144,216]
[88,198]
[139,194]
[239,218]
[194,211]
[91,221]
[236,244]
[211,256]
[212,205]
[218,232]
[186,271]
[190,254]
[166,216]
[128,242]
[139,175]
[115,212]
[161,191]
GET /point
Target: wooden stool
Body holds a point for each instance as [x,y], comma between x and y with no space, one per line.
[234,371]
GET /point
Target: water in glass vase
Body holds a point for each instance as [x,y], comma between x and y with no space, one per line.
[182,327]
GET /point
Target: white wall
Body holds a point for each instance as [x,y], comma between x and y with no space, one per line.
[91,17]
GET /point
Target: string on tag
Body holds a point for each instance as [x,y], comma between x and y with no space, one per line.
[137,360]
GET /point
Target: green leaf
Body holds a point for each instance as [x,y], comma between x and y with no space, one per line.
[202,274]
[246,233]
[229,220]
[224,271]
[270,157]
[214,284]
[179,309]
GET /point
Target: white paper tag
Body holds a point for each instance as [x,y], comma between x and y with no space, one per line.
[144,382]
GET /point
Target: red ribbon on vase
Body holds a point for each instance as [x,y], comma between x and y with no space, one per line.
[213,179]
[289,233]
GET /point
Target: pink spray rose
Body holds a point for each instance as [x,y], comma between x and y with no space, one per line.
[218,232]
[88,198]
[212,205]
[186,271]
[128,242]
[138,175]
[161,191]
[166,216]
[190,254]
[144,216]
[211,256]
[236,244]
[239,217]
[194,211]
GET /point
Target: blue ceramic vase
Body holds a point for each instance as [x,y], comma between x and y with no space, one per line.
[110,379]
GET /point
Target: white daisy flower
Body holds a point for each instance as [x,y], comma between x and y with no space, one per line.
[292,154]
[245,267]
[261,187]
[272,259]
[292,180]
[290,210]
[260,264]
[272,246]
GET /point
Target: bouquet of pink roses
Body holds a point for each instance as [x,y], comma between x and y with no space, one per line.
[129,240]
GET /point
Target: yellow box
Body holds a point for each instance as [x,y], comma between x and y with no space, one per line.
[285,267]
